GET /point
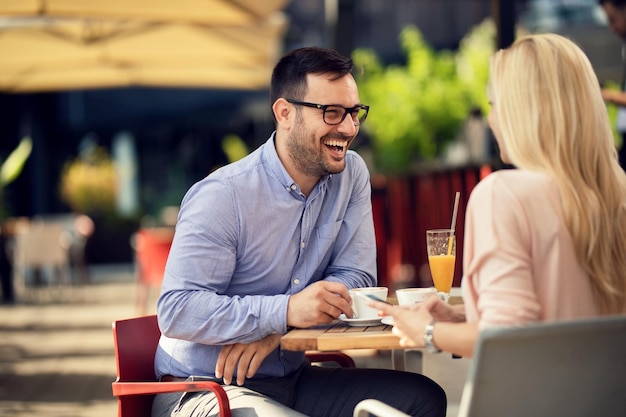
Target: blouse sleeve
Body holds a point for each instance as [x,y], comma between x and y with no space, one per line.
[497,256]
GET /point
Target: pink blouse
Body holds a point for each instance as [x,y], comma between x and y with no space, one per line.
[519,262]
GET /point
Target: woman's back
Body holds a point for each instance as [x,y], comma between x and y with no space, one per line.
[519,262]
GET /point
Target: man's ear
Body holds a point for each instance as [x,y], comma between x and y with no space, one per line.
[284,113]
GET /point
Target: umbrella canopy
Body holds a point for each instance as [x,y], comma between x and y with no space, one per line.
[50,45]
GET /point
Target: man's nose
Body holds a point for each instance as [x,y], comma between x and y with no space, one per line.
[348,126]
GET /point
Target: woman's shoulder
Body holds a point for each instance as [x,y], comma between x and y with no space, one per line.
[517,176]
[516,182]
[516,196]
[517,191]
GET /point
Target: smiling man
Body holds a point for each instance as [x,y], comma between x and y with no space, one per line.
[273,241]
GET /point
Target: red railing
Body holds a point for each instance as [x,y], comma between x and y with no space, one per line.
[404,208]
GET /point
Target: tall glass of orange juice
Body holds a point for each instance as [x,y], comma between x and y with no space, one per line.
[441,247]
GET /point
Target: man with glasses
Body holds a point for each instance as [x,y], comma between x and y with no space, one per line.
[275,241]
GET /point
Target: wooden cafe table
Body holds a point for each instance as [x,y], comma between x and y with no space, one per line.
[339,335]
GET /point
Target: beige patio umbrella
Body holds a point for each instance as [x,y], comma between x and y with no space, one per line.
[52,45]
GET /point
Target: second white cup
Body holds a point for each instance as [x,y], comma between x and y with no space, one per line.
[359,302]
[414,295]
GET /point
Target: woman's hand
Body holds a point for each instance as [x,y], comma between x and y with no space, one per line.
[452,333]
[409,322]
[439,310]
[442,311]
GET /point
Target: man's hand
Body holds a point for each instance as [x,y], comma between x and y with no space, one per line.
[319,303]
[247,358]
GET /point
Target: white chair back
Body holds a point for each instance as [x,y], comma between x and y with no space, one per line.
[565,369]
[568,369]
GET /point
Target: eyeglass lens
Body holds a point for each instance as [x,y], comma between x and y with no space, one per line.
[335,114]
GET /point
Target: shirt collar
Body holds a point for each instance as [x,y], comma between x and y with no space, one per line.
[277,167]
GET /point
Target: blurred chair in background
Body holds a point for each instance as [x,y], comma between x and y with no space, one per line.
[152,246]
[48,251]
[41,259]
[79,228]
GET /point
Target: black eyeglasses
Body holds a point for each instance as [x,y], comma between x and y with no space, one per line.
[334,114]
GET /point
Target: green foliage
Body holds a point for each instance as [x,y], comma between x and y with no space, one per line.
[89,183]
[11,168]
[234,147]
[473,57]
[13,165]
[417,108]
[612,110]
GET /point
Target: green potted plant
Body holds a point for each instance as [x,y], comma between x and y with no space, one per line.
[89,183]
[418,107]
[89,186]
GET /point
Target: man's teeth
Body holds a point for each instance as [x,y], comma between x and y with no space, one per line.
[335,143]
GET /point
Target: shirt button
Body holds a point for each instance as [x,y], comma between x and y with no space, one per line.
[302,245]
[293,187]
[296,281]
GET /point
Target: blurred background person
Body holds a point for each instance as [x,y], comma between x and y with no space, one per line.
[616,16]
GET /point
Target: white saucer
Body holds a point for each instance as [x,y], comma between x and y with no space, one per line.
[360,322]
[388,320]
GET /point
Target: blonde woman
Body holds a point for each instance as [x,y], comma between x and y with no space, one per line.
[545,241]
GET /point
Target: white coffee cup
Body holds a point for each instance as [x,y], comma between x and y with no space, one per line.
[360,300]
[414,295]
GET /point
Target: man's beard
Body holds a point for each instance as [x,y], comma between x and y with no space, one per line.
[307,154]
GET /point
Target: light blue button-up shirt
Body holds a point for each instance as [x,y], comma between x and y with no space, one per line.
[246,239]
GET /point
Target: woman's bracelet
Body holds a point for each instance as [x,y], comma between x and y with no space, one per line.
[428,338]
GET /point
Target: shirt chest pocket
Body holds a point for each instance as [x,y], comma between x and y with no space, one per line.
[325,240]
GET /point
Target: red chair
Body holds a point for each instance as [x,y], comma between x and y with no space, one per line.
[136,341]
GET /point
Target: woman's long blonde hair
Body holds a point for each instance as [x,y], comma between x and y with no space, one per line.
[552,119]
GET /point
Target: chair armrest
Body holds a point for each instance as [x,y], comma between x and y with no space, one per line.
[365,408]
[139,388]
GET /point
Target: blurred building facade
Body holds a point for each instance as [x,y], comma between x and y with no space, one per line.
[177,133]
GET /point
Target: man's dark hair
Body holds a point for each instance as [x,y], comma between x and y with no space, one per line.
[289,75]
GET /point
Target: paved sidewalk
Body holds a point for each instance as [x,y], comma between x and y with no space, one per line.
[57,359]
